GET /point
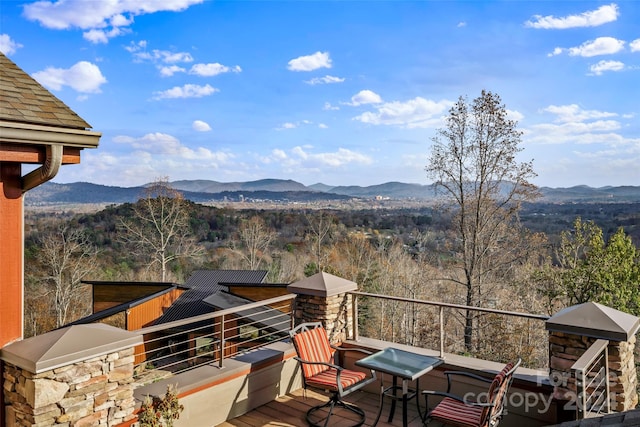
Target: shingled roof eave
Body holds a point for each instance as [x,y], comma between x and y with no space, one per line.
[31,115]
[32,134]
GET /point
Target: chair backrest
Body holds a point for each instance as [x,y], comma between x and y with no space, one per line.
[312,345]
[497,393]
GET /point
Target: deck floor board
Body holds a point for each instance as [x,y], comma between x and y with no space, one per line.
[290,410]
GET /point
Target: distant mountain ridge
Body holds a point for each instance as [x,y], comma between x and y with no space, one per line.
[288,190]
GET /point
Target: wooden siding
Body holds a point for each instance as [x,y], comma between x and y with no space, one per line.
[258,293]
[11,251]
[146,313]
[107,296]
[35,154]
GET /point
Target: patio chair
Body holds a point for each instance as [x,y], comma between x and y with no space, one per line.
[321,371]
[464,412]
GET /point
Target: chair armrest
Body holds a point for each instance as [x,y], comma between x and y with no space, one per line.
[451,374]
[331,365]
[359,350]
[469,375]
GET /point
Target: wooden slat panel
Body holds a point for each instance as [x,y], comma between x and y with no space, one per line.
[35,154]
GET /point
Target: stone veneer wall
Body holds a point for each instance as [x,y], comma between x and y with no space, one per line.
[565,349]
[333,311]
[97,391]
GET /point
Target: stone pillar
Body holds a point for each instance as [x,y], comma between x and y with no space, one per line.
[324,298]
[565,349]
[573,330]
[83,379]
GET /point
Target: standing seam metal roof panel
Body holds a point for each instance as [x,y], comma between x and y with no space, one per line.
[201,285]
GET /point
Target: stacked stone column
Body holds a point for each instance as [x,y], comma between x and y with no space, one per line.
[97,391]
[78,376]
[325,298]
[566,349]
[334,312]
[573,331]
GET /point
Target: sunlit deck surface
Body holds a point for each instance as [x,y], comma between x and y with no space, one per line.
[290,410]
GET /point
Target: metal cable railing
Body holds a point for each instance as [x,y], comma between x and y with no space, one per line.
[410,322]
[591,371]
[175,347]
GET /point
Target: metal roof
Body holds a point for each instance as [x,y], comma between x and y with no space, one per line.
[322,284]
[594,320]
[24,100]
[68,345]
[102,314]
[201,285]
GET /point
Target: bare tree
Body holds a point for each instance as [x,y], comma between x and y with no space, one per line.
[254,238]
[473,161]
[159,229]
[319,233]
[67,257]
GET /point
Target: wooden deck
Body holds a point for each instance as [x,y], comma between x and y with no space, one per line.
[290,410]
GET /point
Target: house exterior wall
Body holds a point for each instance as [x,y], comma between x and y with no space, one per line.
[11,253]
[146,313]
[107,296]
[258,292]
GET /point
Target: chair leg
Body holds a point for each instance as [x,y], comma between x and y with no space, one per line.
[331,404]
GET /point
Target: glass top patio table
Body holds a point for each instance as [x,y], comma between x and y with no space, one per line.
[400,363]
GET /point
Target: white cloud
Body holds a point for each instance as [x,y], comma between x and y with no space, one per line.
[603,66]
[322,126]
[327,106]
[601,132]
[599,46]
[325,80]
[201,126]
[365,97]
[577,126]
[102,19]
[290,125]
[209,70]
[171,57]
[515,115]
[152,155]
[556,51]
[414,113]
[83,77]
[287,125]
[635,45]
[461,24]
[136,47]
[593,18]
[300,157]
[101,36]
[139,52]
[573,113]
[168,71]
[7,45]
[310,62]
[162,144]
[186,91]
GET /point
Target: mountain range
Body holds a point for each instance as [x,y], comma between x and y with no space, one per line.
[291,191]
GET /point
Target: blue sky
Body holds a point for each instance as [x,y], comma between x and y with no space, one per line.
[338,92]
